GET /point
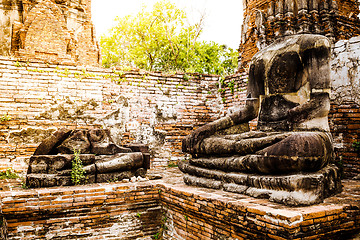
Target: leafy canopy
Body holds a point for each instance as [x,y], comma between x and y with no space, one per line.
[163,40]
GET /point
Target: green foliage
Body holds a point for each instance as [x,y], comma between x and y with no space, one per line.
[186,77]
[356,146]
[212,58]
[17,64]
[159,235]
[231,85]
[162,40]
[138,215]
[171,165]
[23,185]
[5,118]
[9,174]
[77,171]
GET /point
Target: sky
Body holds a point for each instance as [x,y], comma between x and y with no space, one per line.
[223,18]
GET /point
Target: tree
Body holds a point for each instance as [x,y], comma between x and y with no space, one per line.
[163,40]
[213,58]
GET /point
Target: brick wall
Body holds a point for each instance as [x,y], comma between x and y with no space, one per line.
[199,214]
[116,211]
[152,108]
[232,90]
[249,32]
[169,208]
[345,126]
[345,110]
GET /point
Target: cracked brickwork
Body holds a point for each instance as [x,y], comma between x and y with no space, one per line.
[54,31]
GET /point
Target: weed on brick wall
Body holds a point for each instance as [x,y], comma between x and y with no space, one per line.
[9,174]
[356,146]
[5,118]
[159,235]
[77,171]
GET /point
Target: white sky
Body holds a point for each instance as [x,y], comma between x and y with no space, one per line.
[222,23]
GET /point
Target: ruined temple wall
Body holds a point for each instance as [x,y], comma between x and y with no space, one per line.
[249,32]
[348,8]
[58,31]
[153,108]
[138,106]
[345,109]
[267,20]
[10,12]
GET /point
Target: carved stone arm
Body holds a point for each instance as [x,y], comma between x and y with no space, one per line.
[317,106]
[191,142]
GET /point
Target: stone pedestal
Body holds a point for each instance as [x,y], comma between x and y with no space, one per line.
[292,189]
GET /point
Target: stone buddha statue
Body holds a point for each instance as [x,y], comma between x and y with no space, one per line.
[288,159]
[58,158]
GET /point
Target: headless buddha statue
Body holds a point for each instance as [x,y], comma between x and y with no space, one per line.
[288,159]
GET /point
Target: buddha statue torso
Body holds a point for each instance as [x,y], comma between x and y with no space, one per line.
[279,77]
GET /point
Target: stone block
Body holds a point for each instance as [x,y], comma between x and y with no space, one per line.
[113,177]
[78,141]
[293,189]
[47,180]
[47,146]
[119,162]
[55,163]
[102,144]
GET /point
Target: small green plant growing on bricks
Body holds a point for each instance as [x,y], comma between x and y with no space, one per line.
[356,146]
[186,77]
[163,227]
[9,174]
[5,118]
[157,236]
[77,171]
[231,85]
[172,165]
[17,64]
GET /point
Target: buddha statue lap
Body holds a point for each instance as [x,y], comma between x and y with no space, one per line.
[288,159]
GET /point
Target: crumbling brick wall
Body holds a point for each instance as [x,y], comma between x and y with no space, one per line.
[152,108]
[345,109]
[110,211]
[49,30]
